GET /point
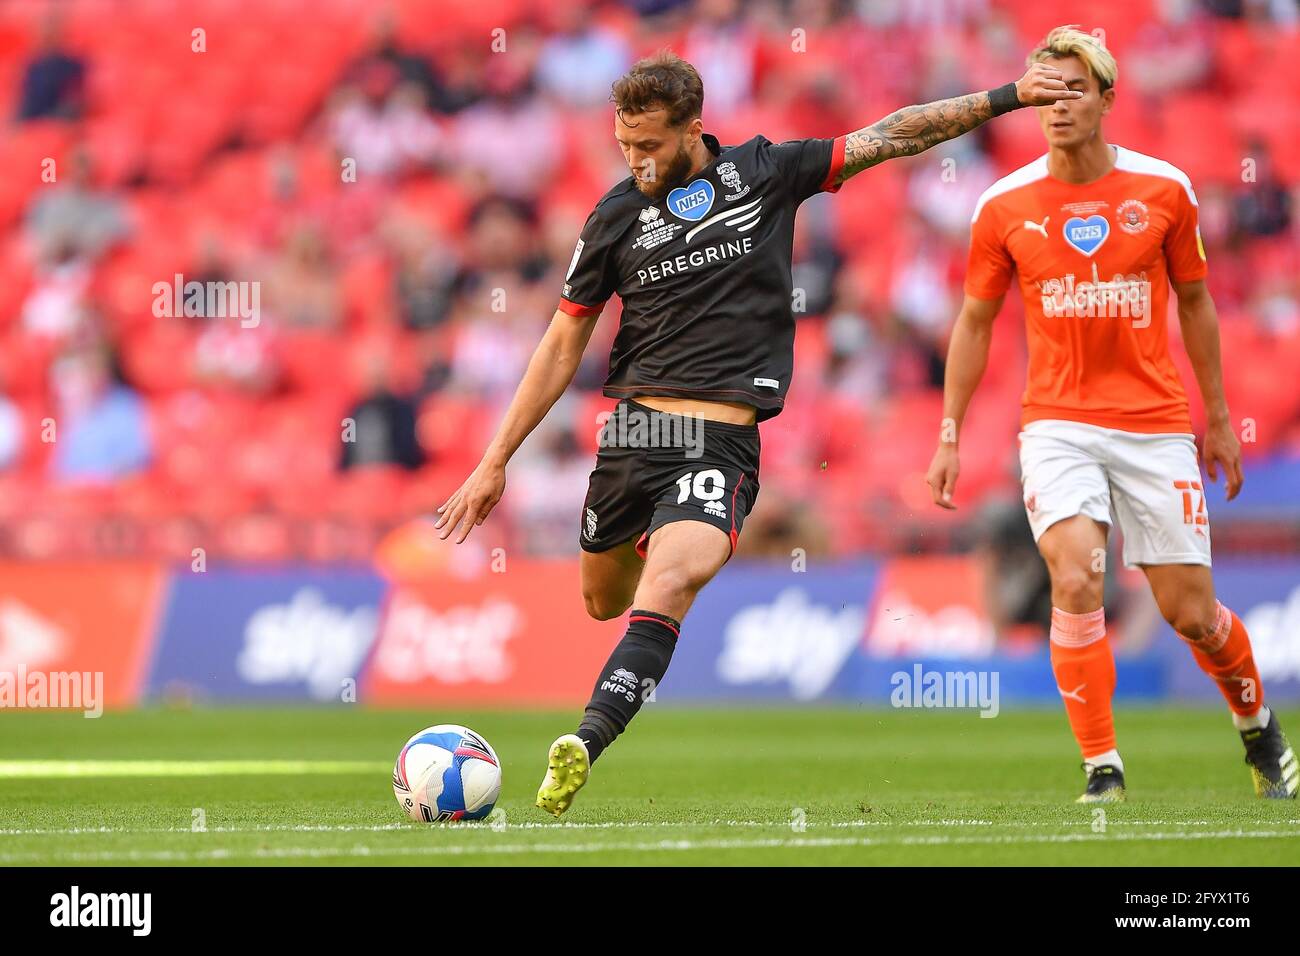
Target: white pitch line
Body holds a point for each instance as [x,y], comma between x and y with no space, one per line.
[287,828]
[363,852]
[179,768]
[480,828]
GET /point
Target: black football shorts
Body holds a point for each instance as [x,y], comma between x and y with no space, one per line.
[654,468]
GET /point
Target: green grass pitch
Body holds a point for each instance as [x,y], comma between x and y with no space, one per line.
[812,786]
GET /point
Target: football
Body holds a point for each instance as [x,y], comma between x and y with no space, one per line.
[446,772]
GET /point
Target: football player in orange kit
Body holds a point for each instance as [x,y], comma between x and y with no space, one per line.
[1096,234]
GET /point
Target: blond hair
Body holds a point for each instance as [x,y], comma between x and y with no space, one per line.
[1072,41]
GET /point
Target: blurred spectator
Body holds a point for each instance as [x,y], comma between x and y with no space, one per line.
[387,57]
[780,524]
[459,84]
[425,277]
[301,287]
[501,256]
[381,124]
[434,364]
[946,188]
[56,305]
[1263,206]
[54,79]
[925,303]
[814,264]
[1275,305]
[11,432]
[511,141]
[1215,214]
[857,367]
[1019,589]
[384,423]
[1172,55]
[581,60]
[490,355]
[230,351]
[74,218]
[102,431]
[723,46]
[443,91]
[656,8]
[1261,11]
[548,484]
[227,354]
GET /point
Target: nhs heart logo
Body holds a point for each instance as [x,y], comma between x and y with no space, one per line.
[1087,235]
[692,202]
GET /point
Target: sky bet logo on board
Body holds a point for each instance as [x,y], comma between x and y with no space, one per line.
[1087,235]
[692,202]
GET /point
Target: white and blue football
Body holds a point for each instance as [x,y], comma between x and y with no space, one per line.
[447,772]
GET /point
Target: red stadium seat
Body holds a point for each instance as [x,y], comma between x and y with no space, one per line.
[1207,148]
[24,361]
[160,358]
[33,151]
[450,429]
[373,492]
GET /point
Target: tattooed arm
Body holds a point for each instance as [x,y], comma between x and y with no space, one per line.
[914,129]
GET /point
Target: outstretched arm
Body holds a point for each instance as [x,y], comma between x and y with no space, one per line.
[914,129]
[551,369]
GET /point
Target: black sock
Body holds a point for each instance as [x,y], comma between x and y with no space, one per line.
[631,674]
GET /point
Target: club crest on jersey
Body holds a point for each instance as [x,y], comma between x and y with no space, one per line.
[1087,235]
[1133,216]
[731,179]
[692,202]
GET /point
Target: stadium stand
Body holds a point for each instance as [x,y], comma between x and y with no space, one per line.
[403,185]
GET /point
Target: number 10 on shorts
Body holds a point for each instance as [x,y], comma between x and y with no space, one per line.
[709,485]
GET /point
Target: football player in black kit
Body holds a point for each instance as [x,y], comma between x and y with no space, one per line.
[697,245]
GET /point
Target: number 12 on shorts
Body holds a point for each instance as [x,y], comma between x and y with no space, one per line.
[708,485]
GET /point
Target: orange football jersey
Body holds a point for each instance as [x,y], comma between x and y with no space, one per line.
[1095,262]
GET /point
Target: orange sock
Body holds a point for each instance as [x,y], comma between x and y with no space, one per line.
[1226,656]
[1085,676]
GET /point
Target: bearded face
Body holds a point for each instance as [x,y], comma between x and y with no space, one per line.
[657,154]
[664,180]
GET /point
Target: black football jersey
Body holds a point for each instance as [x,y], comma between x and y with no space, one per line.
[704,274]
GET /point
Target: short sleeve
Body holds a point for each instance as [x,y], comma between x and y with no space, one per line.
[1184,250]
[989,267]
[809,166]
[591,278]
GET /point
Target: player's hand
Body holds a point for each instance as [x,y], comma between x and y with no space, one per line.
[473,501]
[942,476]
[1222,448]
[1043,85]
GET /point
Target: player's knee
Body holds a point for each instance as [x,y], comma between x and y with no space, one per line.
[1076,588]
[675,586]
[1191,620]
[602,608]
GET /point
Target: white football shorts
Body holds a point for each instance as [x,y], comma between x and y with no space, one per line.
[1152,483]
